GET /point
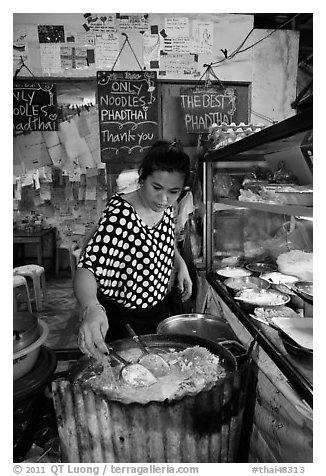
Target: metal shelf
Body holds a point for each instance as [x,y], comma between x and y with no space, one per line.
[272,139]
[291,210]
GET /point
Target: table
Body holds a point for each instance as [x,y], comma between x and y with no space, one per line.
[22,237]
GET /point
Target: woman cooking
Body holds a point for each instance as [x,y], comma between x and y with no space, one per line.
[124,273]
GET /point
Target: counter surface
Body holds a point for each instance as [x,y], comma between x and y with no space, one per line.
[298,370]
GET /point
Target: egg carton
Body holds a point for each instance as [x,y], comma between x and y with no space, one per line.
[224,134]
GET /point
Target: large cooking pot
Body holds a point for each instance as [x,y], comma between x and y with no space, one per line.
[205,326]
[200,428]
[26,330]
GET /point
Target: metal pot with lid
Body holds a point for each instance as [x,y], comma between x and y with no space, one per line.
[201,427]
[26,330]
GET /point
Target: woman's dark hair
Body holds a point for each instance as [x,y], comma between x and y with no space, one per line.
[165,156]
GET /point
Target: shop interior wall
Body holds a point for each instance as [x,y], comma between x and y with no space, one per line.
[270,67]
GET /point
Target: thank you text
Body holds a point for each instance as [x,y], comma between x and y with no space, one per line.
[128,114]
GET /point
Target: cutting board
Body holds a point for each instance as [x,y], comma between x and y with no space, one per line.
[299,329]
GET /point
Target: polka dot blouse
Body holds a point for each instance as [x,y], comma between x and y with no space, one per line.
[132,262]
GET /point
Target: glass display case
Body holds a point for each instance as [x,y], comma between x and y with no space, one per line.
[250,210]
[258,196]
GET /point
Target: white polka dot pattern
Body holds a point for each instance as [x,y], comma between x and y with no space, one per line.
[131,262]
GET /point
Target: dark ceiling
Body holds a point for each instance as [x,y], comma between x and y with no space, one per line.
[302,22]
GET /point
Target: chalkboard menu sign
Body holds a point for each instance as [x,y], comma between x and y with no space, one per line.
[203,107]
[128,114]
[34,106]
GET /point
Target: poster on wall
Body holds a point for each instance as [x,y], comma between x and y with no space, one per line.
[206,106]
[128,114]
[34,106]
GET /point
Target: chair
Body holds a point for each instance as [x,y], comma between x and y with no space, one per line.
[21,281]
[36,273]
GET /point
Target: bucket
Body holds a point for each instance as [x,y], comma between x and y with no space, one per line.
[202,428]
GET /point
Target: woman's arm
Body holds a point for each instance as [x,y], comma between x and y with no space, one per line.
[183,277]
[94,325]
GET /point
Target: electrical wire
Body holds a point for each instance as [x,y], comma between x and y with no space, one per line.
[238,50]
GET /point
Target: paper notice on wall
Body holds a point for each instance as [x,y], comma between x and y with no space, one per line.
[45,174]
[106,50]
[50,57]
[55,149]
[177,45]
[132,21]
[84,157]
[152,44]
[91,183]
[27,179]
[74,175]
[68,131]
[93,121]
[93,144]
[18,165]
[45,191]
[51,138]
[24,33]
[33,150]
[177,27]
[82,124]
[103,23]
[202,37]
[58,155]
[78,229]
[179,64]
[81,193]
[18,189]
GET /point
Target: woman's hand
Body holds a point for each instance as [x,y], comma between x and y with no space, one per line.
[184,282]
[93,330]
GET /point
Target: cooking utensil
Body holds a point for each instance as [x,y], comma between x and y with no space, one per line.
[150,359]
[133,374]
[136,375]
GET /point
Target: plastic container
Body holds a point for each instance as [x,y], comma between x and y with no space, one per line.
[24,359]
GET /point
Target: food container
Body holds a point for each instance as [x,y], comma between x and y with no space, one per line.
[202,428]
[305,288]
[269,312]
[202,325]
[25,358]
[251,298]
[295,302]
[235,285]
[279,278]
[26,330]
[233,272]
[261,268]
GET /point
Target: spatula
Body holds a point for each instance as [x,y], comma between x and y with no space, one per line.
[150,359]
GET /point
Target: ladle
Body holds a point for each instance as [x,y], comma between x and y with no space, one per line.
[134,374]
[151,360]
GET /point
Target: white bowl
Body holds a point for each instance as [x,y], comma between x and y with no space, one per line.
[24,359]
